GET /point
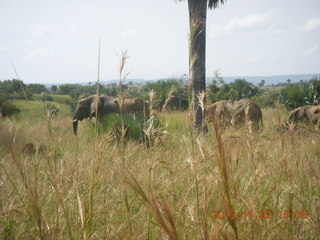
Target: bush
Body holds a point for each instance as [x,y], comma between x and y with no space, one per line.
[7,109]
[163,87]
[43,97]
[219,90]
[302,93]
[267,98]
[121,127]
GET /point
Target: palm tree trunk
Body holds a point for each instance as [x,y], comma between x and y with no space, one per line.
[197,55]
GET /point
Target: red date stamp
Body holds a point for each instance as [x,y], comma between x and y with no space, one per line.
[262,214]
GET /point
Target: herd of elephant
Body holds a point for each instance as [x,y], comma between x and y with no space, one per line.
[227,112]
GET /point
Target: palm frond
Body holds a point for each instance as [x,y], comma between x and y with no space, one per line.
[212,3]
[215,3]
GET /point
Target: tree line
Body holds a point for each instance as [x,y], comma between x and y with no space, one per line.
[291,95]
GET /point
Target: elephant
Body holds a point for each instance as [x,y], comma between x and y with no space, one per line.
[243,111]
[86,108]
[305,113]
[221,111]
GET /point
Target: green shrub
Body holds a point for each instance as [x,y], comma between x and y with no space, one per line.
[179,99]
[7,109]
[302,93]
[267,98]
[219,90]
[122,127]
[43,97]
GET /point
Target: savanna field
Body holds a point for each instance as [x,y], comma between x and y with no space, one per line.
[225,184]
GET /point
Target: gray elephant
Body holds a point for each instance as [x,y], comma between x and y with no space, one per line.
[87,107]
[305,113]
[243,111]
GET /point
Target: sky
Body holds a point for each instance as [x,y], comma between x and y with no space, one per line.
[57,41]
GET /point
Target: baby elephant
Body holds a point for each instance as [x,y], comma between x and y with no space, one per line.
[87,107]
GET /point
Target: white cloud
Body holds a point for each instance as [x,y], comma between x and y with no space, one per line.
[72,28]
[254,59]
[252,23]
[58,31]
[312,25]
[1,48]
[313,49]
[249,22]
[41,53]
[67,30]
[128,33]
[40,29]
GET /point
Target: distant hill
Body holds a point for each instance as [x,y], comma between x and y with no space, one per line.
[254,79]
[271,79]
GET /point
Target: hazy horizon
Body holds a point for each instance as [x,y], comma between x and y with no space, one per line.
[53,42]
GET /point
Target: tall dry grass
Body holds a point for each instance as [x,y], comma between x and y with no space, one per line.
[178,188]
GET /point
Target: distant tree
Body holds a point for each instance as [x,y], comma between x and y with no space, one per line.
[261,84]
[288,81]
[302,93]
[54,88]
[36,89]
[244,89]
[111,90]
[74,90]
[12,89]
[12,86]
[238,89]
[162,88]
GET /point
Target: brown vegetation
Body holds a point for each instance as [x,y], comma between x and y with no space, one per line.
[87,188]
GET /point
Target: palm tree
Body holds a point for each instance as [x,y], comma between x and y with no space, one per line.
[197,52]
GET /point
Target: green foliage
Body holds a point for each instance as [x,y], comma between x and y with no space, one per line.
[43,97]
[244,89]
[162,88]
[7,109]
[302,93]
[36,89]
[77,91]
[8,229]
[267,98]
[54,88]
[261,84]
[122,126]
[12,89]
[65,99]
[111,90]
[219,90]
[74,90]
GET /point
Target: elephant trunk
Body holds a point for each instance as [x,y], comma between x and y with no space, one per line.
[75,126]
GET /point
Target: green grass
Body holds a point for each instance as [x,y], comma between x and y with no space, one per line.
[35,109]
[175,187]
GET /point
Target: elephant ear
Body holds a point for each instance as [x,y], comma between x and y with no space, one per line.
[92,110]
